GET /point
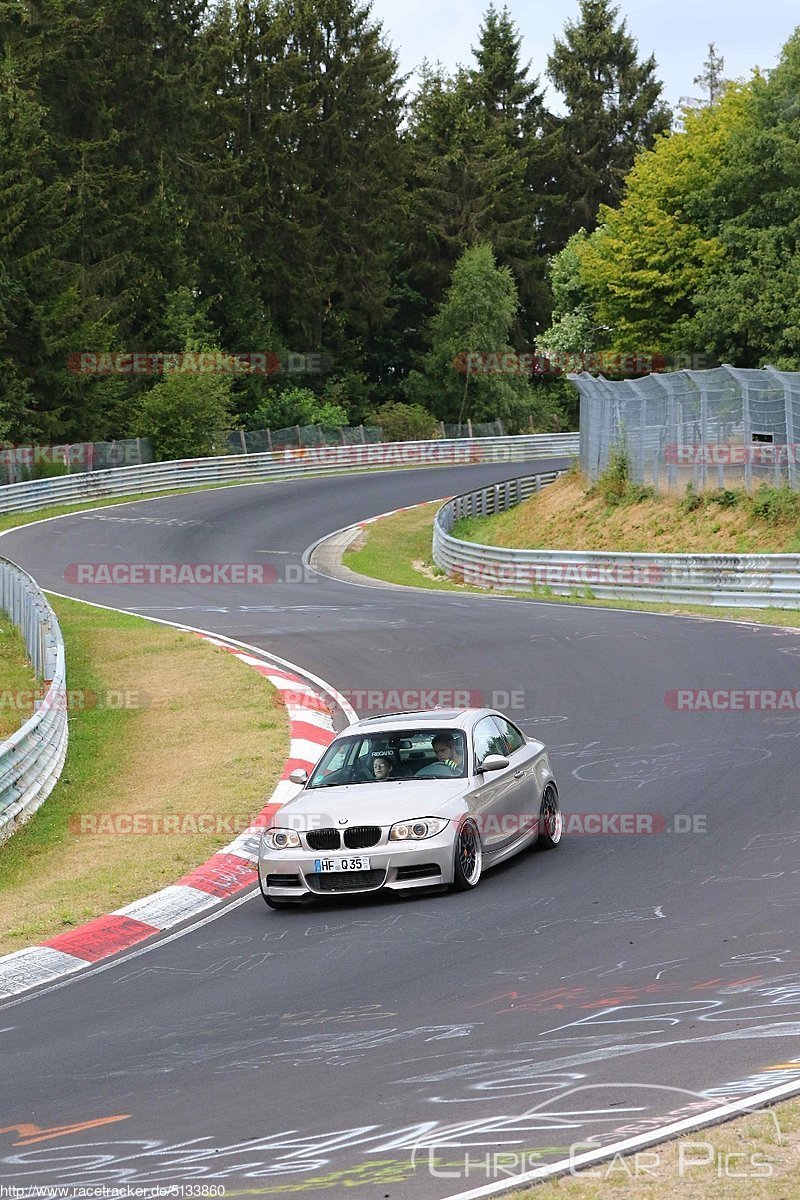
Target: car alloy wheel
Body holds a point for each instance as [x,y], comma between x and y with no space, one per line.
[551,821]
[469,857]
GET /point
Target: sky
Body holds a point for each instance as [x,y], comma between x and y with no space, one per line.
[746,33]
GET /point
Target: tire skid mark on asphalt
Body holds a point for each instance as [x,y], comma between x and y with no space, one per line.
[225,874]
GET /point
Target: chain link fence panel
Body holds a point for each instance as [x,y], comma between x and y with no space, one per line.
[729,427]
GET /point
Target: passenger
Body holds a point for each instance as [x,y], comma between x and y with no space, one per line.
[382,767]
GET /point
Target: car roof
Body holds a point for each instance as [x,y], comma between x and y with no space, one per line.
[433,718]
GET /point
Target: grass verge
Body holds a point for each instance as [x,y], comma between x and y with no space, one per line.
[18,682]
[161,723]
[397,549]
[755,1157]
[570,515]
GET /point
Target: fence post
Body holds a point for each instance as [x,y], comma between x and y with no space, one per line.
[363,439]
[791,465]
[672,431]
[747,435]
[269,440]
[243,442]
[790,445]
[469,427]
[703,433]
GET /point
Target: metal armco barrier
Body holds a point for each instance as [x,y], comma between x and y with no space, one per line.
[729,580]
[32,758]
[288,464]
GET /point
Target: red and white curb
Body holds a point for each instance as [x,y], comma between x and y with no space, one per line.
[226,873]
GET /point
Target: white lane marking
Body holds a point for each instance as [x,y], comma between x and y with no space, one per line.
[653,1136]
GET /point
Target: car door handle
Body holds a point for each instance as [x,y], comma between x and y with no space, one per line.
[518,774]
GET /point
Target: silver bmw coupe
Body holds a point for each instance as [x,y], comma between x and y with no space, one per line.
[411,801]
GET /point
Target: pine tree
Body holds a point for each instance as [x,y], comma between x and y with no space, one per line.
[476,317]
[711,79]
[479,171]
[614,109]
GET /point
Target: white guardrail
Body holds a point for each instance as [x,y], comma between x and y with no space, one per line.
[279,464]
[729,580]
[32,758]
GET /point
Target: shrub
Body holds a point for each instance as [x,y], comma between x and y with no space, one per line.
[297,406]
[403,422]
[691,500]
[183,413]
[776,505]
[612,483]
[726,497]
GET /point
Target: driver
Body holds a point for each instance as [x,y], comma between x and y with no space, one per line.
[449,751]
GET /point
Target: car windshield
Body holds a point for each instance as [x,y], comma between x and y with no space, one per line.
[391,757]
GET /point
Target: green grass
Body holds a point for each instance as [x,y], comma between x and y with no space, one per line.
[18,682]
[199,732]
[390,547]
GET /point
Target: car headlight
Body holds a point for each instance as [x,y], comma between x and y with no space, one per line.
[281,839]
[416,831]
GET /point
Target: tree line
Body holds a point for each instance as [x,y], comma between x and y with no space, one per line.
[701,256]
[254,176]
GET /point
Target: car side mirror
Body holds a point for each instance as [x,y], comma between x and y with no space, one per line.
[494,762]
[298,775]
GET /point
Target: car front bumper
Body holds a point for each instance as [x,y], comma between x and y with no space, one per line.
[291,874]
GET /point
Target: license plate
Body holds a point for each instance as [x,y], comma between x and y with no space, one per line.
[321,865]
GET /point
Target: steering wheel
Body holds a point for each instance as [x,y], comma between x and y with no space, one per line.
[438,770]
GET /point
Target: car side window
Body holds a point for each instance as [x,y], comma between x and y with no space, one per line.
[510,734]
[486,739]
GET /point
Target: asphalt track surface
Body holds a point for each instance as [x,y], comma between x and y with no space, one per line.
[384,1047]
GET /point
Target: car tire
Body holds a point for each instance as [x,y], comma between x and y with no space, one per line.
[468,858]
[551,821]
